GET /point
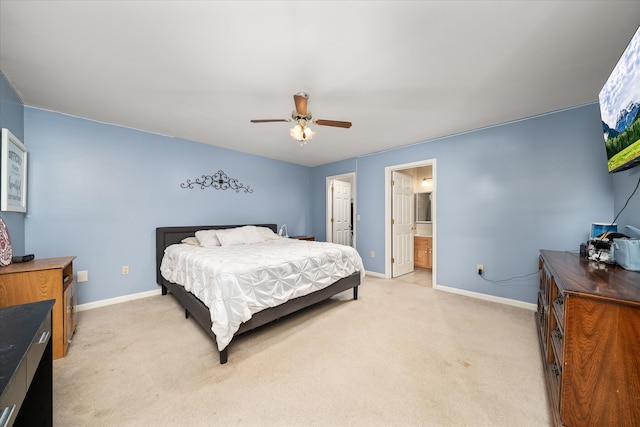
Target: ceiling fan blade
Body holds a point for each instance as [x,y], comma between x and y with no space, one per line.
[301,103]
[334,123]
[269,120]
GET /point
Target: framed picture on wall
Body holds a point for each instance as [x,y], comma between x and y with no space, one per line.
[13,194]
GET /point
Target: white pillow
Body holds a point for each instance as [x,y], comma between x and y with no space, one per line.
[191,241]
[239,236]
[267,233]
[251,234]
[207,238]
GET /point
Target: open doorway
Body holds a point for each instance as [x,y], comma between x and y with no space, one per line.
[341,207]
[400,237]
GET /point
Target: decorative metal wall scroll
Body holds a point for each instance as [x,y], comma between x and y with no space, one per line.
[218,181]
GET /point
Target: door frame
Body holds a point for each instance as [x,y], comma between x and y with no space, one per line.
[351,178]
[388,211]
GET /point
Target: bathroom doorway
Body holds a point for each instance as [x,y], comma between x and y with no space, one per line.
[423,175]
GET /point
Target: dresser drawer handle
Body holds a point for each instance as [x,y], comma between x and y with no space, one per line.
[6,415]
[44,337]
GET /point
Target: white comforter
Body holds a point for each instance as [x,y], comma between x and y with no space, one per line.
[237,281]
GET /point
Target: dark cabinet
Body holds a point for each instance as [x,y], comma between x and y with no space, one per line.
[588,321]
[26,369]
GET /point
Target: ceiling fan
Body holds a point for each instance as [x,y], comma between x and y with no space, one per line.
[301,132]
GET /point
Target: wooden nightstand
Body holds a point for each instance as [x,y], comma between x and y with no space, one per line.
[40,280]
[310,238]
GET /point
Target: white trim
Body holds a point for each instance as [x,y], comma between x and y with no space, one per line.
[486,297]
[117,300]
[500,300]
[101,122]
[387,213]
[374,274]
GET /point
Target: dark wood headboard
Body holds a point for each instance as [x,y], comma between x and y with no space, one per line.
[166,236]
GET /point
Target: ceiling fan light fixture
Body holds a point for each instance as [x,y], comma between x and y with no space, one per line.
[301,132]
[301,115]
[308,133]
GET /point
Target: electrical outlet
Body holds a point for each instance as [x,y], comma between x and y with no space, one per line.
[82,276]
[125,269]
[373,254]
[480,269]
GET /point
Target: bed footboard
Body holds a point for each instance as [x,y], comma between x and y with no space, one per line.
[200,313]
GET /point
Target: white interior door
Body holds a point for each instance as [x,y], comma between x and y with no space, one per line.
[341,215]
[402,221]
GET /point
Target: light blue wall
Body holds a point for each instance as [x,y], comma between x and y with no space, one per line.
[98,192]
[503,193]
[624,185]
[12,118]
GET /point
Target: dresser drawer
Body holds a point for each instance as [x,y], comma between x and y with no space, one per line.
[15,392]
[26,364]
[558,310]
[556,341]
[38,346]
[13,395]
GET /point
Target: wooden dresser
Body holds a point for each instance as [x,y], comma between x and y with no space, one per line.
[423,252]
[588,322]
[40,280]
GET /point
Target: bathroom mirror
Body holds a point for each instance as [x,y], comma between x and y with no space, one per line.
[423,207]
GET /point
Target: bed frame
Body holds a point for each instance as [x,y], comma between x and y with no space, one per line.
[195,308]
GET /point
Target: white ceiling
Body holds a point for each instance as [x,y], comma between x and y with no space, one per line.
[401,71]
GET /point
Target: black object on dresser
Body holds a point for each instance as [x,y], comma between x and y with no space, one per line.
[26,368]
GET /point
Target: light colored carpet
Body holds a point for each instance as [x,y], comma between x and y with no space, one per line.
[402,355]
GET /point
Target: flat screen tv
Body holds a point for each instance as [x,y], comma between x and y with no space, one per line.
[620,110]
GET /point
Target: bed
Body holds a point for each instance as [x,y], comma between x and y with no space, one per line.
[205,280]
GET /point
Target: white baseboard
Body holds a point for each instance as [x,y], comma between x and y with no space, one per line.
[478,295]
[117,300]
[374,274]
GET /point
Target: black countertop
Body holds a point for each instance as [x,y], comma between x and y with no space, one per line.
[18,325]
